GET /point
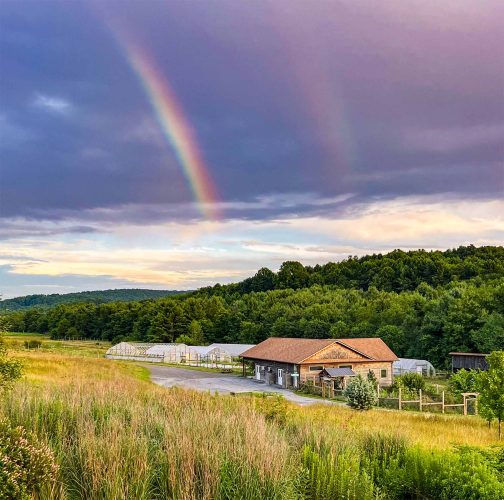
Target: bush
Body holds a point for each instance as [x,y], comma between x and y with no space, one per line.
[32,344]
[10,369]
[463,381]
[361,393]
[410,381]
[26,467]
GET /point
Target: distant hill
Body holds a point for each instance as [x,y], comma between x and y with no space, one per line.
[95,297]
[396,271]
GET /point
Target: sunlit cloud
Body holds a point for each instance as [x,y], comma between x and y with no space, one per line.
[178,255]
[52,104]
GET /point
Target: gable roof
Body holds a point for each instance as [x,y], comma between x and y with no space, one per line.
[373,348]
[287,350]
[293,350]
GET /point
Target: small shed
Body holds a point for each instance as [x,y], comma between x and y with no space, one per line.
[408,365]
[338,377]
[469,361]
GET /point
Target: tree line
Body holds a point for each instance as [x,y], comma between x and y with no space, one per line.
[96,297]
[414,310]
[396,271]
[425,323]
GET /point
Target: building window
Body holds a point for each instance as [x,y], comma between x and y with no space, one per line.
[316,368]
[383,373]
[345,366]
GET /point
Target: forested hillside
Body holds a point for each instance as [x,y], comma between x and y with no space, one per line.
[396,271]
[96,297]
[464,312]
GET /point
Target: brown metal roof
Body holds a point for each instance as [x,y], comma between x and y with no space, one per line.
[466,354]
[373,348]
[292,350]
[287,350]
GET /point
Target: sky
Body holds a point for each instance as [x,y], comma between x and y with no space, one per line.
[173,144]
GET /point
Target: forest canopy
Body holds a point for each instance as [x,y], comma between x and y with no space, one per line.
[423,304]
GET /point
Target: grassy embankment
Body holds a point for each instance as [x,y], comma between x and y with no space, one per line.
[115,435]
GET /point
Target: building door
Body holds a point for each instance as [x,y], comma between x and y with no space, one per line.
[280,374]
[258,372]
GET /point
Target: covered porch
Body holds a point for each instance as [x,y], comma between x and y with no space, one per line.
[335,380]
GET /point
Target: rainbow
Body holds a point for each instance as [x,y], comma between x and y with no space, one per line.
[174,126]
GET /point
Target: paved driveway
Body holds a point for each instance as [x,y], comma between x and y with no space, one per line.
[169,376]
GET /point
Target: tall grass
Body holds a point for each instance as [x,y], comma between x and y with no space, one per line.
[117,436]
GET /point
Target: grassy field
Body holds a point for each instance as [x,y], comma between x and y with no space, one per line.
[92,348]
[116,435]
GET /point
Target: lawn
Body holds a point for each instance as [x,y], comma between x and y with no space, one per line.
[116,435]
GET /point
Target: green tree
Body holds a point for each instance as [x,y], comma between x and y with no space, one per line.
[184,339]
[490,337]
[263,280]
[292,274]
[10,369]
[196,333]
[463,381]
[490,385]
[371,377]
[361,393]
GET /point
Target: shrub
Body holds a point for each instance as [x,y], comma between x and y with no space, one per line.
[411,381]
[26,467]
[32,344]
[463,381]
[361,393]
[10,369]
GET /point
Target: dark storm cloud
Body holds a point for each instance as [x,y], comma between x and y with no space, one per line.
[286,97]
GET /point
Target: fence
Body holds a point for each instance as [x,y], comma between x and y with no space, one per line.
[422,403]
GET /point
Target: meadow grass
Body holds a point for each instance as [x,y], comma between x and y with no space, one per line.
[90,348]
[116,435]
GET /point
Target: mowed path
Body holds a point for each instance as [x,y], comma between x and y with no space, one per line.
[169,376]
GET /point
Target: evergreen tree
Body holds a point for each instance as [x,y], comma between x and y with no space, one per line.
[361,393]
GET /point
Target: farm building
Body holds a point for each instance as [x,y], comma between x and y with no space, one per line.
[290,362]
[468,361]
[207,355]
[171,353]
[132,350]
[234,350]
[421,366]
[215,354]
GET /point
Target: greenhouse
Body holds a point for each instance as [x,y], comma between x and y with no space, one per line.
[133,351]
[215,355]
[421,366]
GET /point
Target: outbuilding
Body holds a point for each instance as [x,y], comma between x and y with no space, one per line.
[408,365]
[133,351]
[468,361]
[291,362]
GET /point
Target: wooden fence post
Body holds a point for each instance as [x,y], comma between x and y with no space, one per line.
[400,405]
[465,406]
[442,401]
[420,399]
